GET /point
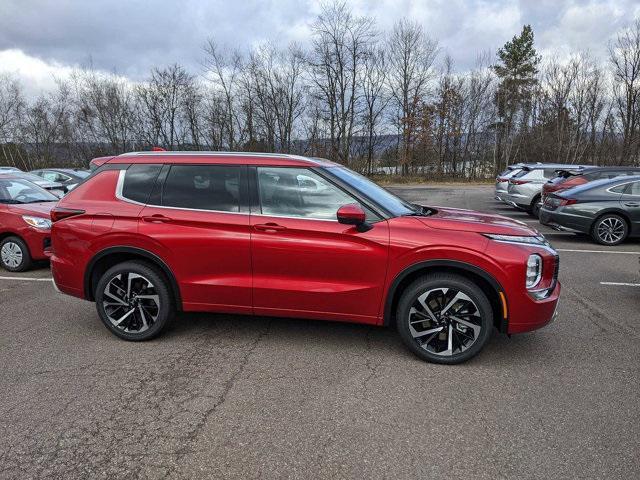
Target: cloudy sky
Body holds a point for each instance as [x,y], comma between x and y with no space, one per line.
[40,39]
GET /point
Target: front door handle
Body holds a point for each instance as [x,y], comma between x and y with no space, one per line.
[632,204]
[269,227]
[156,219]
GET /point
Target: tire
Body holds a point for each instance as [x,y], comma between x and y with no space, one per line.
[123,310]
[610,229]
[15,255]
[534,209]
[438,292]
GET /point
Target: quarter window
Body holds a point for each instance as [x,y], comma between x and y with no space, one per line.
[299,192]
[138,182]
[620,188]
[634,189]
[203,187]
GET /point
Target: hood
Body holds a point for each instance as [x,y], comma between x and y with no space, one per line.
[472,221]
[40,209]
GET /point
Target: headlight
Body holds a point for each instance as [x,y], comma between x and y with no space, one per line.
[539,240]
[38,222]
[534,270]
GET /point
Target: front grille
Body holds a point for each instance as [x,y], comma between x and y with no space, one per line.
[46,243]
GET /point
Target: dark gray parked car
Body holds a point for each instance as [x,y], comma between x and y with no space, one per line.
[608,210]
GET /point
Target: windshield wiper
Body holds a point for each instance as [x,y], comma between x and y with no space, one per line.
[419,211]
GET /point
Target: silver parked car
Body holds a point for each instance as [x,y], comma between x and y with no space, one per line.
[525,187]
[502,180]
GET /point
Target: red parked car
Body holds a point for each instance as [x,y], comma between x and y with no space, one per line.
[150,234]
[25,224]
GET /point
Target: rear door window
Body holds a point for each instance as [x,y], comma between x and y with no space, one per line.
[203,187]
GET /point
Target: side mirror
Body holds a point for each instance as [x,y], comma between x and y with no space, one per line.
[353,214]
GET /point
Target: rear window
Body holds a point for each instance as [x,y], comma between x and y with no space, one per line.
[138,182]
[521,173]
[203,187]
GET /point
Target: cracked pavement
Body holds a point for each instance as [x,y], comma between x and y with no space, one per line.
[222,396]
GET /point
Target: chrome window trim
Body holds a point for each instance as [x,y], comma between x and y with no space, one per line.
[620,185]
[120,196]
[295,218]
[120,185]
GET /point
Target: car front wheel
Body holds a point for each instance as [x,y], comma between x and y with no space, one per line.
[610,229]
[444,318]
[14,254]
[134,301]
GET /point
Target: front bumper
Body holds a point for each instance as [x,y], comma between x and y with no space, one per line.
[38,241]
[536,314]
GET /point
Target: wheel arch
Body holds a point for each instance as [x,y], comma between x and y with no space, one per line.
[105,259]
[8,233]
[535,199]
[489,285]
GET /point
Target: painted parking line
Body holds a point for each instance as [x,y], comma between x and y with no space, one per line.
[621,284]
[28,279]
[597,251]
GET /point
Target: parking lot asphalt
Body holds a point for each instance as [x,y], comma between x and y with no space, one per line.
[239,397]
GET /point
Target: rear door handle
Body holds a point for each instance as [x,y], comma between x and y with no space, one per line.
[156,219]
[269,227]
[632,204]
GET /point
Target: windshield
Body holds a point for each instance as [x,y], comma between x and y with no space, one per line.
[80,173]
[22,191]
[387,200]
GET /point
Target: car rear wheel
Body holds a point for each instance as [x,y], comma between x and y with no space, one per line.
[134,301]
[610,229]
[444,318]
[14,254]
[534,209]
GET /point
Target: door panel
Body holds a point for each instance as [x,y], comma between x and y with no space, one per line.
[201,225]
[318,269]
[307,264]
[208,252]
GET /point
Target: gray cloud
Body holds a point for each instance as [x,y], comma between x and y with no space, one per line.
[133,36]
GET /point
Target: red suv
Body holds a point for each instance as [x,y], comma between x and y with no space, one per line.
[25,225]
[151,234]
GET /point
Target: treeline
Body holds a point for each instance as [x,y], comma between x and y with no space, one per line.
[373,100]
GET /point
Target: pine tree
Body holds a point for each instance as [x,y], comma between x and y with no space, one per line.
[517,69]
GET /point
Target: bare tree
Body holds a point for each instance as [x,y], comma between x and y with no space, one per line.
[223,70]
[375,98]
[410,59]
[624,55]
[340,46]
[11,105]
[104,110]
[161,100]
